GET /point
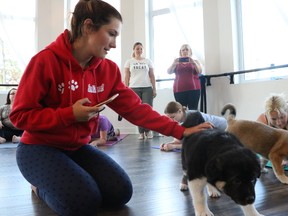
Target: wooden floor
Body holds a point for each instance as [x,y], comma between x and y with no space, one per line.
[155,176]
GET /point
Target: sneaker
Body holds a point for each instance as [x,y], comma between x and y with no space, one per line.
[149,135]
[141,136]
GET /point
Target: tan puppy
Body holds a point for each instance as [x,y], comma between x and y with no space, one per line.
[271,143]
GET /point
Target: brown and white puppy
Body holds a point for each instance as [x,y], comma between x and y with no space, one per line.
[217,159]
[271,143]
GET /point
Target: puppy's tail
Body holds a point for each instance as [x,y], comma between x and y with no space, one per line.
[232,111]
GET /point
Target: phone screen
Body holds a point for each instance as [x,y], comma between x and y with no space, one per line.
[184,59]
[108,100]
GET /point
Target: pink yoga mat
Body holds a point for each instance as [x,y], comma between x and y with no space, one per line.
[119,138]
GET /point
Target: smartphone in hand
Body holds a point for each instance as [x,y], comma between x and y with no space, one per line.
[108,100]
[184,59]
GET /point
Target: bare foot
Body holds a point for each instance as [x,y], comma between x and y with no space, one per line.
[2,140]
[16,139]
[284,163]
[34,189]
[166,147]
[117,132]
[94,143]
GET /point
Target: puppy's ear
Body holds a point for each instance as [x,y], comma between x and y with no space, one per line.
[214,170]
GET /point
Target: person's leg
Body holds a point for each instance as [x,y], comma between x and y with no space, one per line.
[6,133]
[147,97]
[113,134]
[18,132]
[193,99]
[2,136]
[180,97]
[113,182]
[62,184]
[139,92]
[10,132]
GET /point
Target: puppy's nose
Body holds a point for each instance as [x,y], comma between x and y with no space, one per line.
[250,199]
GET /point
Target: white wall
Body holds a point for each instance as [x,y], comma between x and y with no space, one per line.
[50,21]
[219,56]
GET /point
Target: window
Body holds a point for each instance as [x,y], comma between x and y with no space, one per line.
[17,38]
[265,37]
[174,23]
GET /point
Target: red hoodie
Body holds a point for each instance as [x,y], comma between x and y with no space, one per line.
[53,81]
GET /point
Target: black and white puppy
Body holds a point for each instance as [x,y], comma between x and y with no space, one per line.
[218,159]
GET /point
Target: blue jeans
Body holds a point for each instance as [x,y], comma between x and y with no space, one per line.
[74,182]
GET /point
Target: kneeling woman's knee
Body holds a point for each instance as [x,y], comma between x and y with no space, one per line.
[82,203]
[119,195]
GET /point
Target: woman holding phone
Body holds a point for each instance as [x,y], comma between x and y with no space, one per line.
[59,113]
[187,84]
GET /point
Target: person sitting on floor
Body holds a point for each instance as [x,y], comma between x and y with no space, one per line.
[276,112]
[105,132]
[7,130]
[189,118]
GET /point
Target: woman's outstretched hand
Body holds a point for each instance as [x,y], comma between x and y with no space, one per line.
[197,128]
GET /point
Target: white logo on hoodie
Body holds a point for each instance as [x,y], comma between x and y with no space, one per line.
[61,88]
[91,88]
[94,89]
[73,85]
[100,88]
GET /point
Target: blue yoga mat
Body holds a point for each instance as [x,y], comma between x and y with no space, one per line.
[174,150]
[269,165]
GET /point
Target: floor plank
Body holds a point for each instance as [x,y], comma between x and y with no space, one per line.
[155,176]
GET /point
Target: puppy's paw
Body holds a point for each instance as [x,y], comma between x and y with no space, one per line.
[205,213]
[213,192]
[183,187]
[184,183]
[250,210]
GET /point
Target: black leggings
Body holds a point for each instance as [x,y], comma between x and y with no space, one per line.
[8,133]
[74,182]
[189,99]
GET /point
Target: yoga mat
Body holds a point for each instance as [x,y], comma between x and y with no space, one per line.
[119,138]
[109,143]
[269,165]
[174,150]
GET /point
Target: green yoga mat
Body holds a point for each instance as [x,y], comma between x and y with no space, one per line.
[269,165]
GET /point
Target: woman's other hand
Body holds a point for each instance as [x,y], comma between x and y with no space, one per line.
[195,129]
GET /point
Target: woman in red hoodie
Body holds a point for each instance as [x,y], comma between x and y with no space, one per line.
[56,106]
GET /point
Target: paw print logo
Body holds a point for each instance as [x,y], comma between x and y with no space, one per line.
[73,85]
[61,88]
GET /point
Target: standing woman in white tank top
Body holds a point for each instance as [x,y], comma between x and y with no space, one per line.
[139,76]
